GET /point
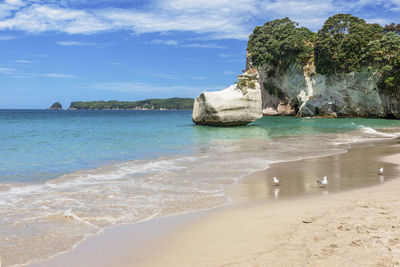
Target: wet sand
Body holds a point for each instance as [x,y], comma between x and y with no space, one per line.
[296,223]
[354,169]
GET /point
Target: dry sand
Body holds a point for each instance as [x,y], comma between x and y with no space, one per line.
[360,227]
[354,228]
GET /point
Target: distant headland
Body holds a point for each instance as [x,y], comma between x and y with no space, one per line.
[174,103]
[55,106]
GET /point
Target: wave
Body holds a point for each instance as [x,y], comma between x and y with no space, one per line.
[372,131]
[133,191]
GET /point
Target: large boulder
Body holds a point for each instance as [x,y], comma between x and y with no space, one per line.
[237,105]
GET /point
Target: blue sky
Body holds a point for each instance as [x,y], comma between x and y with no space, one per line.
[68,50]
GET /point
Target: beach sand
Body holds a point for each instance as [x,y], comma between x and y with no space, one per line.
[332,226]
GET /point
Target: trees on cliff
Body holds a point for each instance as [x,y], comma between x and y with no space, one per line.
[384,55]
[344,44]
[393,27]
[341,44]
[279,43]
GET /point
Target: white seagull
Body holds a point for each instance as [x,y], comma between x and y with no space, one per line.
[323,182]
[276,181]
[380,171]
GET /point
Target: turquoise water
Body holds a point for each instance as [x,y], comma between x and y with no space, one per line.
[65,175]
[37,145]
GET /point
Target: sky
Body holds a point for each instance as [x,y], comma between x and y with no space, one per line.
[83,50]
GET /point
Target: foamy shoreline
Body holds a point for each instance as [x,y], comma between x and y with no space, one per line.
[177,252]
[45,219]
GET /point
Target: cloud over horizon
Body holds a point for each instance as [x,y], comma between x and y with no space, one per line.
[219,19]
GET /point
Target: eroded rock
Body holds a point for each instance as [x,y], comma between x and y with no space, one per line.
[237,105]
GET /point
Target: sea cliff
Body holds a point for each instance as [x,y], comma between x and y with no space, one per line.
[304,92]
[349,68]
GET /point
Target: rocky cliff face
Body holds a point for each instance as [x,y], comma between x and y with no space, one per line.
[303,92]
[236,105]
[297,91]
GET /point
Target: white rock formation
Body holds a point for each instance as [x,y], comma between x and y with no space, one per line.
[237,105]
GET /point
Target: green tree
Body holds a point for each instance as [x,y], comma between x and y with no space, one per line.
[279,43]
[392,27]
[384,55]
[341,43]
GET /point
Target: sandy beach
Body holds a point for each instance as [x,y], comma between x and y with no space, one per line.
[341,224]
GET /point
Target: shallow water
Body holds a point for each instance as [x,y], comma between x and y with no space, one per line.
[65,175]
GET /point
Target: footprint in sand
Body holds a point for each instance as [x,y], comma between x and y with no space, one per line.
[355,243]
[393,242]
[331,249]
[309,220]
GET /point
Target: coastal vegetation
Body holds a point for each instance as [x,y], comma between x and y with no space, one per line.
[344,44]
[56,106]
[156,104]
[247,82]
[279,43]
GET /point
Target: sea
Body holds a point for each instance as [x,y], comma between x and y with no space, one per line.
[66,175]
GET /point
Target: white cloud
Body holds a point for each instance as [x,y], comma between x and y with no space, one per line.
[133,87]
[23,61]
[9,6]
[394,5]
[228,72]
[7,37]
[58,75]
[379,21]
[74,43]
[40,18]
[165,42]
[211,45]
[193,45]
[300,8]
[217,19]
[7,71]
[224,55]
[221,18]
[310,13]
[196,77]
[15,73]
[166,76]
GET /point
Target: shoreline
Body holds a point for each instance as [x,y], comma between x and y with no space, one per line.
[175,225]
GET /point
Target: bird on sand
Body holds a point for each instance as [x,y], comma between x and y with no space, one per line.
[323,182]
[380,171]
[276,181]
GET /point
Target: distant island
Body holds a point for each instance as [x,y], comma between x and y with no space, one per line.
[174,103]
[56,106]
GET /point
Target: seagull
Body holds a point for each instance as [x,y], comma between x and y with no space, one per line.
[323,182]
[276,181]
[380,171]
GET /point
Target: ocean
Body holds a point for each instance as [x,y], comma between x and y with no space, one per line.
[65,175]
